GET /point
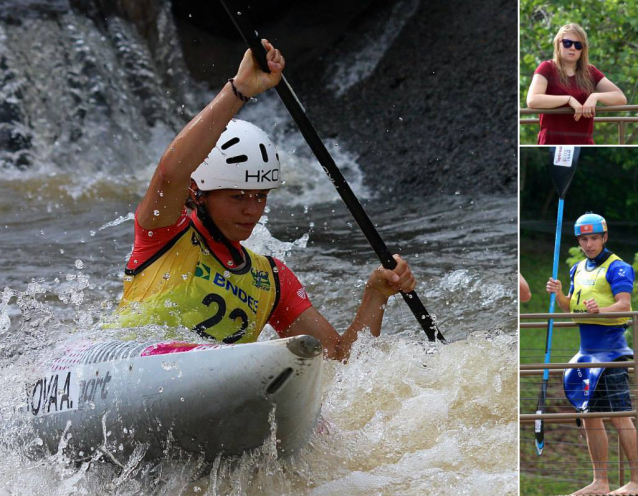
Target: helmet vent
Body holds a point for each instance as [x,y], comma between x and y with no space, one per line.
[238,159]
[264,153]
[230,143]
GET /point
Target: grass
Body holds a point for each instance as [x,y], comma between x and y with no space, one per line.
[544,486]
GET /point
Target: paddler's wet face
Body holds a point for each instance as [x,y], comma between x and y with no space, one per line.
[236,212]
[592,244]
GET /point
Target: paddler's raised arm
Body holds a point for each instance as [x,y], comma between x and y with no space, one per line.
[167,193]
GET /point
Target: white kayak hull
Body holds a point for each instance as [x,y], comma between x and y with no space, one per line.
[205,399]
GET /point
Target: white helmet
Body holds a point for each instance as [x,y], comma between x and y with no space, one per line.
[243,158]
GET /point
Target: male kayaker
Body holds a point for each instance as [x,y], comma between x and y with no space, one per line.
[601,283]
[188,267]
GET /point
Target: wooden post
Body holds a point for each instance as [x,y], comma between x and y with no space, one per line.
[621,464]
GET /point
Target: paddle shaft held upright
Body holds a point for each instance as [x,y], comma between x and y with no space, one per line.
[298,114]
[552,297]
[563,162]
[540,442]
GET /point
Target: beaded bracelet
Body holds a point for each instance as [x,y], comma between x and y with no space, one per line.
[238,93]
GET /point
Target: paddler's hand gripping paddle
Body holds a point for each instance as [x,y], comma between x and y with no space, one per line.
[562,165]
[296,110]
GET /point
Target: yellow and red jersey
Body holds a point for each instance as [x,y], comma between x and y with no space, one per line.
[179,276]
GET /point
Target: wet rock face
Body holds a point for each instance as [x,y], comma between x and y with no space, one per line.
[439,111]
[303,30]
[77,77]
[424,92]
[15,135]
[433,105]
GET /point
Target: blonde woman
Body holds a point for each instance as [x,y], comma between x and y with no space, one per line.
[570,80]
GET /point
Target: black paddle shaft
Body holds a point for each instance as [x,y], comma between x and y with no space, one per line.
[290,100]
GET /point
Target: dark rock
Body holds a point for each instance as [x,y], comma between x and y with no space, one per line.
[9,111]
[23,161]
[440,108]
[437,114]
[303,30]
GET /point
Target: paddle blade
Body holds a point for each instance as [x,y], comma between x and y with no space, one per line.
[539,431]
[540,438]
[562,166]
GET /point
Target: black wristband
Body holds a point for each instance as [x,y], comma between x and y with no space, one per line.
[238,93]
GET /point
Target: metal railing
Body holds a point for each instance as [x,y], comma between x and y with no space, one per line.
[620,121]
[533,369]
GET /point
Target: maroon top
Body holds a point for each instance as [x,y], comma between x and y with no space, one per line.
[562,129]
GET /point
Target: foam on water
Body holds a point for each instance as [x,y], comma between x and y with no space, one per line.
[401,417]
[487,294]
[304,181]
[397,420]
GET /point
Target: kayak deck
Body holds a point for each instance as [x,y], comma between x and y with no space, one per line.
[208,399]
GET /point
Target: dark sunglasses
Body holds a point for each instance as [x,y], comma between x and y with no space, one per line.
[568,44]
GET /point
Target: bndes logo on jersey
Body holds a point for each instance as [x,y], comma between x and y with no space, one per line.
[263,176]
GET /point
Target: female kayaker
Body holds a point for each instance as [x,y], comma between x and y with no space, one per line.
[208,192]
[570,80]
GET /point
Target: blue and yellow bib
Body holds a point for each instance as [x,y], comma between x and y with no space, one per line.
[594,284]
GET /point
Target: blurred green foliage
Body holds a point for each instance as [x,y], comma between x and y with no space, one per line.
[606,182]
[612,29]
[575,255]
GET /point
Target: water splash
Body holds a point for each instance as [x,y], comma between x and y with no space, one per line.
[263,242]
[122,218]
